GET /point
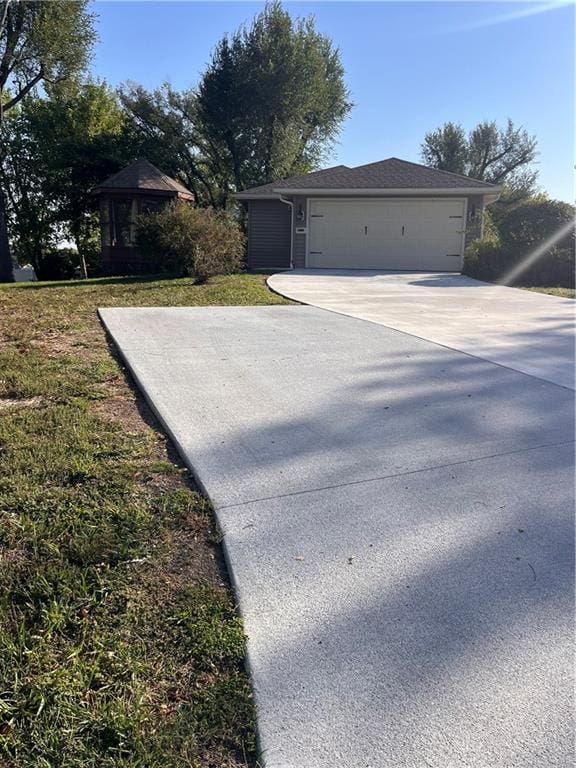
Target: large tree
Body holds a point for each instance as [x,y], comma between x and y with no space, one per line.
[446,148]
[23,177]
[490,153]
[82,126]
[163,127]
[270,104]
[40,42]
[273,98]
[53,151]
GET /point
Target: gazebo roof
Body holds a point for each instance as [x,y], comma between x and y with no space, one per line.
[142,176]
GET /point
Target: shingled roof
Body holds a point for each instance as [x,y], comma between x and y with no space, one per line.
[141,175]
[387,174]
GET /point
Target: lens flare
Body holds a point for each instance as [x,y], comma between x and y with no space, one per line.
[532,257]
[522,12]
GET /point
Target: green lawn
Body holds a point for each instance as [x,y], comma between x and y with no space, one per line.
[565,293]
[120,644]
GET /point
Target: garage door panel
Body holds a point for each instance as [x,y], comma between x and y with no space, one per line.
[386,234]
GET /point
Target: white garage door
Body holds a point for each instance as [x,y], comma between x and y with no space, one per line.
[386,234]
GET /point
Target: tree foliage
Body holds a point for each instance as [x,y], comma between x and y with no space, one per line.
[80,131]
[24,181]
[41,42]
[53,151]
[446,148]
[163,127]
[270,104]
[273,97]
[489,153]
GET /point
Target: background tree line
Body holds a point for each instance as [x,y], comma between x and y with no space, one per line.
[524,222]
[269,104]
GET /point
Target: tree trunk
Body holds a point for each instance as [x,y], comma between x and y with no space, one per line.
[81,260]
[83,270]
[79,243]
[6,270]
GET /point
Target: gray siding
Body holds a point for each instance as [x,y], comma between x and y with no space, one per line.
[269,223]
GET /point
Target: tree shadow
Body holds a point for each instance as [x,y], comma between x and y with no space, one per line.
[398,518]
[437,627]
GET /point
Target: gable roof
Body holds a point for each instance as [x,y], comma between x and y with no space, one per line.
[142,175]
[391,174]
[315,178]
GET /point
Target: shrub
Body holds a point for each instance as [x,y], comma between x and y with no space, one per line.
[200,242]
[483,260]
[58,264]
[486,261]
[555,268]
[491,234]
[520,232]
[535,220]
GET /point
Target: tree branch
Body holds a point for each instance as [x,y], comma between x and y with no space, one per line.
[23,91]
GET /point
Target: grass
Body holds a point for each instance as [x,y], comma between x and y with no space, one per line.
[120,644]
[565,293]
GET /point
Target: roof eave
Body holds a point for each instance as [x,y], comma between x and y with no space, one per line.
[392,191]
[256,196]
[141,191]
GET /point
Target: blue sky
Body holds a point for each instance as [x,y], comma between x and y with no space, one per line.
[409,65]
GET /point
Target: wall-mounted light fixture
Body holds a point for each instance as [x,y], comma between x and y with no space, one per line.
[472,213]
[300,213]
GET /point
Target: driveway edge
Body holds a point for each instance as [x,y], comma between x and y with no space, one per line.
[260,763]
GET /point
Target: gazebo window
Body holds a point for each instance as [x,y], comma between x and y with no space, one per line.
[105,221]
[153,204]
[123,214]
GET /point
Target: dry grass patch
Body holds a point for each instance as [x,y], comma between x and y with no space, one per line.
[564,293]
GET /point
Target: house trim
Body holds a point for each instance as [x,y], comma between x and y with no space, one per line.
[452,191]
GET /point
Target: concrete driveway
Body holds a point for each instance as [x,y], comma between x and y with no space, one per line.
[529,332]
[398,522]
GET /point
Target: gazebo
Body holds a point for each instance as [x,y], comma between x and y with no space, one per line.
[137,189]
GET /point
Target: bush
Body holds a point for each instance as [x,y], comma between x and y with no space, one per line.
[520,233]
[486,261]
[59,264]
[555,268]
[200,242]
[491,234]
[532,222]
[482,260]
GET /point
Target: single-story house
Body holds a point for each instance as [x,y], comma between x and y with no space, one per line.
[387,215]
[139,188]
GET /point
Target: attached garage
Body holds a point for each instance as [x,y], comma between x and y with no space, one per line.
[378,233]
[388,215]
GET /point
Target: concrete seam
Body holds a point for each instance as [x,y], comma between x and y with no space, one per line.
[396,474]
